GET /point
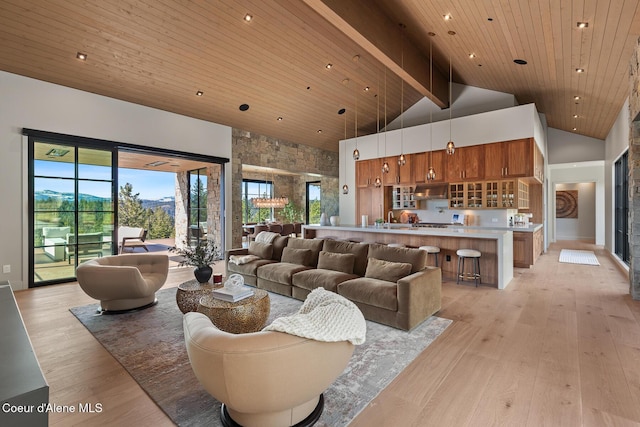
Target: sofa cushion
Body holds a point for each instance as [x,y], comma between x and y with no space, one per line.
[279,243]
[416,257]
[358,250]
[319,278]
[373,292]
[314,244]
[279,272]
[250,268]
[262,250]
[297,256]
[336,262]
[387,270]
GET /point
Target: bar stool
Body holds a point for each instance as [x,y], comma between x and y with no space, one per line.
[475,256]
[431,250]
[395,245]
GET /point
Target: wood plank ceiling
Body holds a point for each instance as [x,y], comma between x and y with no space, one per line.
[159,53]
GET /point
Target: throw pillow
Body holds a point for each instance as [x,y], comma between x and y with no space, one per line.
[297,256]
[387,270]
[336,262]
[262,250]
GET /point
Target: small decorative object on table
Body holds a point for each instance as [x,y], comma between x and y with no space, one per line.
[202,257]
[335,220]
[233,290]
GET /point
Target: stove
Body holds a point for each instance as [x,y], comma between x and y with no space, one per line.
[429,225]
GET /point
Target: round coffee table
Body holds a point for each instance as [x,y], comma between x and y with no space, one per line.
[247,315]
[189,293]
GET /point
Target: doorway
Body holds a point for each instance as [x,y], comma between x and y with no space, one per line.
[314,202]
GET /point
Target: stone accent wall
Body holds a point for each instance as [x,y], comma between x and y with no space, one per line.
[259,150]
[634,173]
[182,206]
[214,216]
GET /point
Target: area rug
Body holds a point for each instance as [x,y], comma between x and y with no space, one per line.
[578,257]
[150,346]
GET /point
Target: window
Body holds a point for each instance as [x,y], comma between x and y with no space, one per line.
[198,228]
[621,189]
[314,205]
[251,189]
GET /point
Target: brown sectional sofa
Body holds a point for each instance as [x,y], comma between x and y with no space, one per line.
[392,286]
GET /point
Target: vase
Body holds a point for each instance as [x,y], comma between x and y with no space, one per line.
[335,220]
[203,274]
[323,219]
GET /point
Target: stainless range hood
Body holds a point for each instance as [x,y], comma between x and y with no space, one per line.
[431,191]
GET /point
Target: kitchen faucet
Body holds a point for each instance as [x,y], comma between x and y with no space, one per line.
[389,216]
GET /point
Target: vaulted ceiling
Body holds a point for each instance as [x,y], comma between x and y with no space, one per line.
[160,53]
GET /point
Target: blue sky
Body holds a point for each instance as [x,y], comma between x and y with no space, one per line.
[150,184]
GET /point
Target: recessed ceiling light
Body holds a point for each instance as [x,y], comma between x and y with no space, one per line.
[279,119]
[328,66]
[472,55]
[345,81]
[575,116]
[582,24]
[579,70]
[199,93]
[366,89]
[489,19]
[341,111]
[81,56]
[577,98]
[355,58]
[520,61]
[575,130]
[447,17]
[157,163]
[451,33]
[248,17]
[244,107]
[56,152]
[319,131]
[431,34]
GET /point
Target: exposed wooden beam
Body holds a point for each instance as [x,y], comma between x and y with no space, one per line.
[364,23]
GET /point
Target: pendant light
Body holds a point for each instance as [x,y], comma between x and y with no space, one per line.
[451,147]
[402,160]
[431,173]
[345,187]
[356,152]
[378,182]
[385,165]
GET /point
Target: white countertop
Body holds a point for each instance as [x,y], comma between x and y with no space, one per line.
[477,233]
[528,229]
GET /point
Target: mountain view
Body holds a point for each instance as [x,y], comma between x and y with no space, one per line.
[166,203]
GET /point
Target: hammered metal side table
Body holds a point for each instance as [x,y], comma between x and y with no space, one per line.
[189,293]
[241,317]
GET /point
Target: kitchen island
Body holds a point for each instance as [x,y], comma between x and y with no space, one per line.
[496,263]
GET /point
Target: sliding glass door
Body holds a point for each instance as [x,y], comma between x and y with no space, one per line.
[198,227]
[71,196]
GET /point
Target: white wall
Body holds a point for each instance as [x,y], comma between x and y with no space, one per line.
[29,103]
[616,143]
[584,226]
[567,147]
[569,173]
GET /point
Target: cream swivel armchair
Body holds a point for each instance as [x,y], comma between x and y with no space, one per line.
[124,282]
[269,378]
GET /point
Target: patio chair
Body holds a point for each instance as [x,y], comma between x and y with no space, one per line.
[132,237]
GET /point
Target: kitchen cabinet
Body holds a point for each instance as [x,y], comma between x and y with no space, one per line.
[367,171]
[538,164]
[503,194]
[398,174]
[403,198]
[370,201]
[466,195]
[421,163]
[466,164]
[527,247]
[509,159]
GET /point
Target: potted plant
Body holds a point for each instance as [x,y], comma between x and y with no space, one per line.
[202,257]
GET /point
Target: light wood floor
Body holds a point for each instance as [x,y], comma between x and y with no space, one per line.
[559,347]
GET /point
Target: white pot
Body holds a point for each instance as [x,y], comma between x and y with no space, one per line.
[335,220]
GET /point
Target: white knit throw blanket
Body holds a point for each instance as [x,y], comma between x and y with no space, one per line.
[324,316]
[266,237]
